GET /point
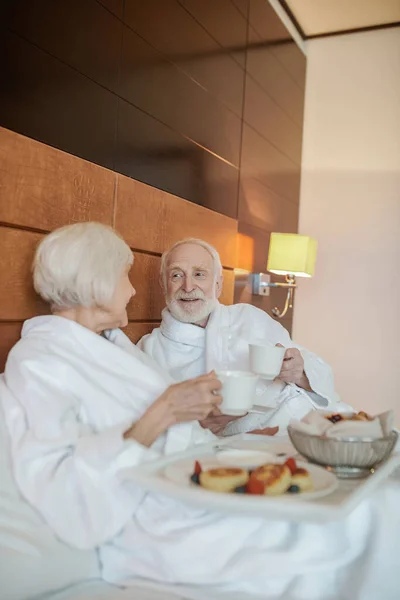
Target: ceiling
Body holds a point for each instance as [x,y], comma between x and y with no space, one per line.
[314,18]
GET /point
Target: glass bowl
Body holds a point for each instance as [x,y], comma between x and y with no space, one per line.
[347,457]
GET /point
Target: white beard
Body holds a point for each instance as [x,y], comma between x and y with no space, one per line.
[189,313]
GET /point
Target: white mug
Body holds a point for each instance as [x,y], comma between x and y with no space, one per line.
[238,391]
[266,361]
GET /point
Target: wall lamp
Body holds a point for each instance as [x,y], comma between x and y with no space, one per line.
[292,255]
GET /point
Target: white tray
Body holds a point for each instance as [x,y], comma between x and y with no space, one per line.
[336,505]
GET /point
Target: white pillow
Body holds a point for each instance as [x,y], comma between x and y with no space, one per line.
[32,560]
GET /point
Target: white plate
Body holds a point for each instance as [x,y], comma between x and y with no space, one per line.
[297,508]
[247,459]
[180,471]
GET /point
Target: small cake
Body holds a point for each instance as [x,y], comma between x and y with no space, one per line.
[275,478]
[302,478]
[360,416]
[335,418]
[223,479]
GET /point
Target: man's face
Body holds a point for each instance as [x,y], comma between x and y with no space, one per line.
[192,289]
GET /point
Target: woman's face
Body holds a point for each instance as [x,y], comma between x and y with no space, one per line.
[116,310]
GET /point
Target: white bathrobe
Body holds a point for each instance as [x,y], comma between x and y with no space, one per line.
[186,350]
[68,397]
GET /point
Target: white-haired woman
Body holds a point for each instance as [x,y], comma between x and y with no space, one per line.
[83,405]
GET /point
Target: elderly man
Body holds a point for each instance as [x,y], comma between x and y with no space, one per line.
[198,334]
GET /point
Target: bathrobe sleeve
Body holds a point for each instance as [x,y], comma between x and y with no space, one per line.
[318,372]
[74,476]
[146,343]
[162,350]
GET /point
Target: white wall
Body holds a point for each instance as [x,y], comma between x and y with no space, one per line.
[350,201]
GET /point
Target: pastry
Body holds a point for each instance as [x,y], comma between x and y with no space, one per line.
[223,479]
[302,478]
[275,478]
[267,480]
[360,416]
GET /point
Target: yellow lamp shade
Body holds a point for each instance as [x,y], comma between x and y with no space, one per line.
[291,253]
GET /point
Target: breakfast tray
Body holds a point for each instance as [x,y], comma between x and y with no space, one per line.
[334,506]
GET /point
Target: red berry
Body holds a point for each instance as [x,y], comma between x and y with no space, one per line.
[291,463]
[254,486]
[197,468]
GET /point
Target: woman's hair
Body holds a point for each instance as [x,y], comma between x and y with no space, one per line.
[80,265]
[210,249]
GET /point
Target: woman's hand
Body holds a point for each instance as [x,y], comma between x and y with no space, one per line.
[191,400]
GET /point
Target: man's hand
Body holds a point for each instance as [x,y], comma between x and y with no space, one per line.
[292,370]
[216,421]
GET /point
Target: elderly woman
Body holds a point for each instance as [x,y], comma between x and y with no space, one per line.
[84,404]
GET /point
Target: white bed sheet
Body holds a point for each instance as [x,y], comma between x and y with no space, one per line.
[100,590]
[143,590]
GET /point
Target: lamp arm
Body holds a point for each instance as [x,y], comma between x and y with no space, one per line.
[288,304]
[278,284]
[290,284]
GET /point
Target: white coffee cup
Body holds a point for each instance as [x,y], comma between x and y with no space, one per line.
[266,361]
[238,391]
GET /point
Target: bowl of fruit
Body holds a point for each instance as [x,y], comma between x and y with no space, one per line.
[351,445]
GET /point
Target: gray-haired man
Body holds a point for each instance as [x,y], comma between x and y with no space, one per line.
[198,334]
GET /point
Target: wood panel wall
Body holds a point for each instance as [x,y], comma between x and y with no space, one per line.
[202,102]
[155,90]
[42,188]
[271,148]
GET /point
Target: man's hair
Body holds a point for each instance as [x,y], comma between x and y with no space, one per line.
[210,249]
[80,265]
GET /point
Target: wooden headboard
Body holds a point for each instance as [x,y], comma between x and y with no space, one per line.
[42,188]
